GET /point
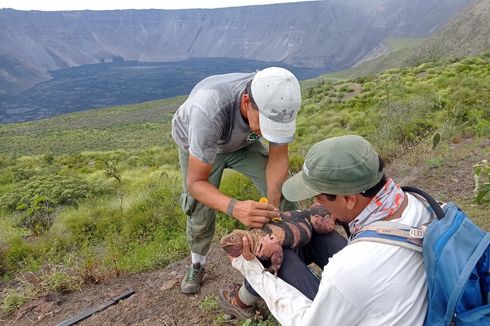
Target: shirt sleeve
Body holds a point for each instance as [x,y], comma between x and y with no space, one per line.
[290,307]
[203,135]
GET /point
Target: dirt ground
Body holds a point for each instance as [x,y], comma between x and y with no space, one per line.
[157,299]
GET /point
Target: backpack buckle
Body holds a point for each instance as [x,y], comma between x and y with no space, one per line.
[416,233]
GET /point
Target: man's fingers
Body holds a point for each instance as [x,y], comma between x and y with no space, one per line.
[257,224]
[247,254]
[266,212]
[259,221]
[267,206]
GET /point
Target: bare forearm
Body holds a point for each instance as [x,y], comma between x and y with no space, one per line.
[209,195]
[275,178]
[276,172]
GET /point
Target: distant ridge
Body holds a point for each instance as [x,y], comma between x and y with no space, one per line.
[467,34]
[331,35]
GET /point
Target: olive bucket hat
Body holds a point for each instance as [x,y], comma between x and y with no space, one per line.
[343,165]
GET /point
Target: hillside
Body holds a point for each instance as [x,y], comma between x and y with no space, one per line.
[465,35]
[89,200]
[397,51]
[158,300]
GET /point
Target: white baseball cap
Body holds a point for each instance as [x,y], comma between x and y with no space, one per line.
[277,94]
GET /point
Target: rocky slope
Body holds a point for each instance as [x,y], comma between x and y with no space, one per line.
[465,35]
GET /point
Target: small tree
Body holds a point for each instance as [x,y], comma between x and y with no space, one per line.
[112,171]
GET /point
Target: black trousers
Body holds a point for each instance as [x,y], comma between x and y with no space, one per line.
[294,269]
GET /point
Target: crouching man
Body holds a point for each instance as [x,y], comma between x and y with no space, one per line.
[365,283]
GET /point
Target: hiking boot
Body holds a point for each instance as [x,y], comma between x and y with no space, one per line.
[191,282]
[231,303]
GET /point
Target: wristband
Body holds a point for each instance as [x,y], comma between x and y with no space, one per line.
[231,206]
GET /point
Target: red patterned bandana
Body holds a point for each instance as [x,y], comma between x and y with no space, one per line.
[384,204]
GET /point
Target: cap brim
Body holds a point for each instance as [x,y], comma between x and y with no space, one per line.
[277,132]
[295,189]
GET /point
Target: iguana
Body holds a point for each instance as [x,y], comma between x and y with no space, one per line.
[293,229]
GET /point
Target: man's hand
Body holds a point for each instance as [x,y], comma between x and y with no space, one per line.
[254,214]
[246,253]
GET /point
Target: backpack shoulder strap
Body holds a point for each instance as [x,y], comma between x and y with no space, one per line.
[432,202]
[396,233]
[391,233]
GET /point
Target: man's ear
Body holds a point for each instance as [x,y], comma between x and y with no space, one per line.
[350,201]
[246,98]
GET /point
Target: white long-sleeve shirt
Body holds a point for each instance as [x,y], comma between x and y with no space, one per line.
[366,283]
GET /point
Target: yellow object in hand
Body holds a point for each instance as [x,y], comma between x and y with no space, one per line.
[265,200]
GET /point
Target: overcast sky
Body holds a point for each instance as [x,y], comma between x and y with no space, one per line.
[127,4]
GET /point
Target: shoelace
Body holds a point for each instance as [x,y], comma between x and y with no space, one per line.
[192,273]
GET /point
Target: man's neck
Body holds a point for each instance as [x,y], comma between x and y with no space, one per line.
[243,108]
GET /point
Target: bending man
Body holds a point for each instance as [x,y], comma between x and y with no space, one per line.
[220,126]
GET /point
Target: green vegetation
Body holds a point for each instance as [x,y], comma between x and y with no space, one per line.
[98,192]
[482,181]
[209,303]
[127,128]
[399,108]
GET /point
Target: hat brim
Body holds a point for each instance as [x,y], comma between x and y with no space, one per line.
[295,189]
[277,132]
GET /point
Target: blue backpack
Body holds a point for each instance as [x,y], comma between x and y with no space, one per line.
[457,262]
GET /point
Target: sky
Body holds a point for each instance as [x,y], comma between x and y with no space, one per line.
[50,5]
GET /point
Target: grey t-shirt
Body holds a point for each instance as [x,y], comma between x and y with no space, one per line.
[209,121]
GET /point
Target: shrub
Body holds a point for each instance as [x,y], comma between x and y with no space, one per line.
[403,126]
[92,223]
[53,189]
[482,181]
[59,281]
[40,216]
[19,255]
[37,198]
[12,300]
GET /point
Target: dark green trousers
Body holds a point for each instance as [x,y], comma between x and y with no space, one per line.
[201,220]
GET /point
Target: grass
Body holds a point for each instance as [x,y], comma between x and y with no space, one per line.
[124,127]
[210,303]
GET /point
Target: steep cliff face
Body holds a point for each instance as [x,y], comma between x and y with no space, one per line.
[334,34]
